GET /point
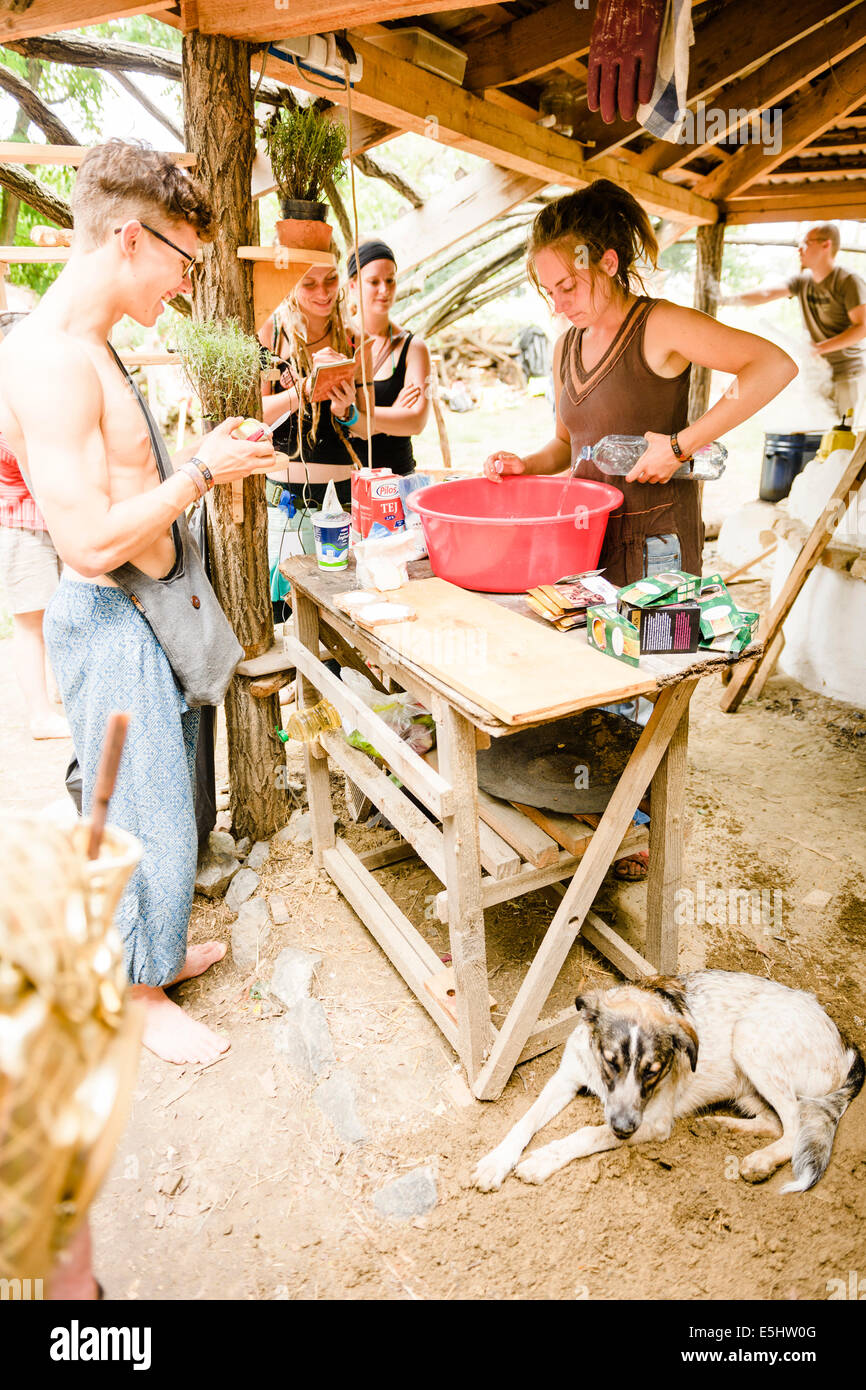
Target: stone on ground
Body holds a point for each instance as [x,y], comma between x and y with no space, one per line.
[302,1036]
[243,885]
[293,976]
[412,1195]
[279,909]
[250,934]
[336,1099]
[297,832]
[243,847]
[217,866]
[258,854]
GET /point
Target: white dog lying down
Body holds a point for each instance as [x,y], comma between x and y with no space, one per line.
[670,1046]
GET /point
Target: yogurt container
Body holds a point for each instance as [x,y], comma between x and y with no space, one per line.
[331,531]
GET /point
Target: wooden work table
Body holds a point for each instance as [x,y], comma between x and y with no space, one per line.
[470,860]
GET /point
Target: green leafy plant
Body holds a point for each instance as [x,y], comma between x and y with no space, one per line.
[306,149]
[222,364]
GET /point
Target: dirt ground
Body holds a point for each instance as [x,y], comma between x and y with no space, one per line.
[230,1182]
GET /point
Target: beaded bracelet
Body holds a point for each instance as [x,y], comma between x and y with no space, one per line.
[677,451]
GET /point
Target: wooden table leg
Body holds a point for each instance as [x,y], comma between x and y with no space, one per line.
[455,738]
[579,896]
[665,851]
[306,620]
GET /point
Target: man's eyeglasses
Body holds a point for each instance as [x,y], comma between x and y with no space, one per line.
[188,260]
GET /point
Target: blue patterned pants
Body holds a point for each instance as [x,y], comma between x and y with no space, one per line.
[105,657]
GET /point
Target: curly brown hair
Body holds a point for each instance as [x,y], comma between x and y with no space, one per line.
[585,224]
[120,179]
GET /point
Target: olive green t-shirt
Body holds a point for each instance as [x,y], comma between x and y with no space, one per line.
[826,305]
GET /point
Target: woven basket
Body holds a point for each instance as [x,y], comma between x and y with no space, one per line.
[69,1040]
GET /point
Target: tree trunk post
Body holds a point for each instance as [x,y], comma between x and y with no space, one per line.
[710,243]
[219,130]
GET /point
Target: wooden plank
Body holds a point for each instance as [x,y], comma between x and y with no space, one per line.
[768,665]
[432,789]
[250,19]
[846,488]
[412,824]
[444,988]
[266,686]
[15,152]
[497,855]
[457,210]
[34,255]
[831,96]
[572,834]
[405,947]
[400,94]
[549,1033]
[517,669]
[47,16]
[834,201]
[580,894]
[531,842]
[277,659]
[455,739]
[528,46]
[665,851]
[388,854]
[306,624]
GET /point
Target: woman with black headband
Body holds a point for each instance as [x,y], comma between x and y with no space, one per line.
[401,362]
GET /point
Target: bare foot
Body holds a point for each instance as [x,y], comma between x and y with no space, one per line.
[198,960]
[173,1035]
[72,1276]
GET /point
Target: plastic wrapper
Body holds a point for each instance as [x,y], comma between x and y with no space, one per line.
[399,711]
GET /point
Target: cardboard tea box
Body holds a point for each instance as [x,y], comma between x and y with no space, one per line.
[667,627]
[672,586]
[611,633]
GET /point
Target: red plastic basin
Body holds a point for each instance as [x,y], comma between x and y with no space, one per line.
[504,538]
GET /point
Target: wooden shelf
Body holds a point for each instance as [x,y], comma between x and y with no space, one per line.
[17,152]
[33,255]
[276,271]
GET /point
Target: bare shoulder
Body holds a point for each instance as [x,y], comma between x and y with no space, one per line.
[40,366]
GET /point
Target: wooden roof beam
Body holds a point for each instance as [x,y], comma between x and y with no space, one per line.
[47,16]
[399,94]
[263,21]
[814,112]
[775,80]
[557,34]
[807,202]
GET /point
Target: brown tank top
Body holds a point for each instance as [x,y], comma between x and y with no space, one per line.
[623,395]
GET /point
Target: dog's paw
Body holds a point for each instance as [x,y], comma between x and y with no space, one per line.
[492,1171]
[754,1168]
[535,1168]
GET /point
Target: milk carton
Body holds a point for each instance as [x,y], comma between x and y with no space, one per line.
[375,498]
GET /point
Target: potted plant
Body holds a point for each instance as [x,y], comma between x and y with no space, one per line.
[306,150]
[223,365]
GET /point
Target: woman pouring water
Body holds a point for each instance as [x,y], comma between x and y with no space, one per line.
[623,368]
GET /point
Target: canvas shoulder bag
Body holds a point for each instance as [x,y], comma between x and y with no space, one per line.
[182,609]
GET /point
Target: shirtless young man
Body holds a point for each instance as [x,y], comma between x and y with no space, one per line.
[72,420]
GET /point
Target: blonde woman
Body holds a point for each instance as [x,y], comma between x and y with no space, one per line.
[308,330]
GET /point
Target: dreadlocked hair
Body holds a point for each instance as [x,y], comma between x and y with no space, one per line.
[581,226]
[291,321]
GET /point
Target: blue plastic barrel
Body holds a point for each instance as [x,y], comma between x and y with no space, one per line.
[785,455]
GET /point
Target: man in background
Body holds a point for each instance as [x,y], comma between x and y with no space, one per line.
[833,304]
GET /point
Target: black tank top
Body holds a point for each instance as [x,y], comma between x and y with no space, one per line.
[392,451]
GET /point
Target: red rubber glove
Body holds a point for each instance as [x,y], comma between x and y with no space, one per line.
[623,56]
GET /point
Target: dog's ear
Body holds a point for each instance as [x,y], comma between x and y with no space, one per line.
[587,1007]
[685,1039]
[670,989]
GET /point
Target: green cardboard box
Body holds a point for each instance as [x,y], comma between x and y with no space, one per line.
[611,633]
[672,586]
[719,613]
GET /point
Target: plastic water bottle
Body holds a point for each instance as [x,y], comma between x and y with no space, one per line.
[618,453]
